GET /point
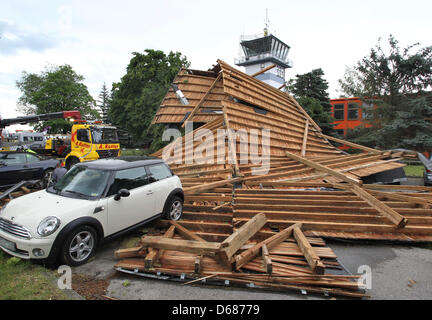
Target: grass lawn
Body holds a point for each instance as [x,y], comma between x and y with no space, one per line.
[134,152]
[25,280]
[414,171]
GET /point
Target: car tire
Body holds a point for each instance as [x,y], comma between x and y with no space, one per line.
[174,209]
[79,246]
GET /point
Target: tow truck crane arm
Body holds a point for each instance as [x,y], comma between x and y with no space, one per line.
[39,117]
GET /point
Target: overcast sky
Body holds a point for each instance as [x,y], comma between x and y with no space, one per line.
[97,37]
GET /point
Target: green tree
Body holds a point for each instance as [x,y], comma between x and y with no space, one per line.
[103,103]
[58,88]
[310,90]
[398,81]
[136,98]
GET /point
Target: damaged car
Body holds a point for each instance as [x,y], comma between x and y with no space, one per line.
[94,201]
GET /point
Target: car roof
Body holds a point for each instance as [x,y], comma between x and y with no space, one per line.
[120,163]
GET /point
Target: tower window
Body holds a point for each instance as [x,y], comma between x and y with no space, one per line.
[280,72]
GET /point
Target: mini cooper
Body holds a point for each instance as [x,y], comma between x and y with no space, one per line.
[94,201]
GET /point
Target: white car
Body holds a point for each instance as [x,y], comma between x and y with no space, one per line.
[94,201]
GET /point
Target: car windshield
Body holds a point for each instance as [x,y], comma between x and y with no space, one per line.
[82,182]
[104,135]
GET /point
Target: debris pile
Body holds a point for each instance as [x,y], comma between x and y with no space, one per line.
[289,172]
[287,260]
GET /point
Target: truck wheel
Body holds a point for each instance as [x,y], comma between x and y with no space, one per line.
[79,246]
[174,209]
[71,161]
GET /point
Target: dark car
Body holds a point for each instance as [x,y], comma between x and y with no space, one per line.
[18,166]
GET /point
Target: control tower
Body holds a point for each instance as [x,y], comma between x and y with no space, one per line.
[262,51]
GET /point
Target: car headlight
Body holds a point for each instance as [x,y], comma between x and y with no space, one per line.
[48,226]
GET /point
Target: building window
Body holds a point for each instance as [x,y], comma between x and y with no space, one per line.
[353,111]
[281,72]
[339,113]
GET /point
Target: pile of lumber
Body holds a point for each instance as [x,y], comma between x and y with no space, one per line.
[287,260]
[301,159]
[16,191]
[256,215]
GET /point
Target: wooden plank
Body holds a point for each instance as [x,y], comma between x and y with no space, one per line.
[198,264]
[263,70]
[129,252]
[236,240]
[197,247]
[271,242]
[232,146]
[320,167]
[155,254]
[391,214]
[208,186]
[351,144]
[395,196]
[268,266]
[185,233]
[309,253]
[305,136]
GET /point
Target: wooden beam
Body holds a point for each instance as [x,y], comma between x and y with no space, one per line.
[194,111]
[351,144]
[381,207]
[309,253]
[263,70]
[198,264]
[197,247]
[305,136]
[325,169]
[239,237]
[232,145]
[401,197]
[155,254]
[208,186]
[129,252]
[268,266]
[185,233]
[246,256]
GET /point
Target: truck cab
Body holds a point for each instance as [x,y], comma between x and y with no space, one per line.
[92,142]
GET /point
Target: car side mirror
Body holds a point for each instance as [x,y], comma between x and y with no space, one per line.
[121,194]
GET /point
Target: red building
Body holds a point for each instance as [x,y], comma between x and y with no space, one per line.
[348,114]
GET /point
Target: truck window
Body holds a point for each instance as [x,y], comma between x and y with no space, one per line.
[83,135]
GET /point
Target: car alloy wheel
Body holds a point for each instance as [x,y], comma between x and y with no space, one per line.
[81,246]
[176,210]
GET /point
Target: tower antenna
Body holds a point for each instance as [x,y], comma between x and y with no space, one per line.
[267,24]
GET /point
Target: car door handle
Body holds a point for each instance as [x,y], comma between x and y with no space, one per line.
[149,192]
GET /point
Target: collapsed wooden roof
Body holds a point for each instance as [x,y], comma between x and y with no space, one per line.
[300,157]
